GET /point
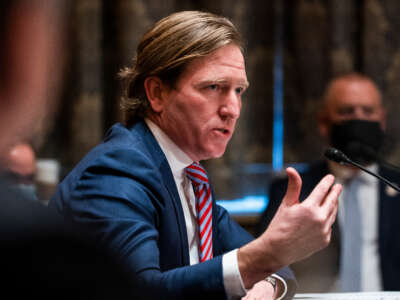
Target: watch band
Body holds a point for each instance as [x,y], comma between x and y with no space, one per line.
[272,281]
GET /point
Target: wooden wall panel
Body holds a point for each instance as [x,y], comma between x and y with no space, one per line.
[381,60]
[321,38]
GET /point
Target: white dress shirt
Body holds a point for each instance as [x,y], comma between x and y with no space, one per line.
[178,161]
[367,196]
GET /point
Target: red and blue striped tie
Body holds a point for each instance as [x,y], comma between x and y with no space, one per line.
[198,176]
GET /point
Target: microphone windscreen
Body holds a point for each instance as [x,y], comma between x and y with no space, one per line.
[335,155]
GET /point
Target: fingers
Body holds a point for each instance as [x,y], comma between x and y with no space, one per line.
[331,203]
[293,188]
[318,194]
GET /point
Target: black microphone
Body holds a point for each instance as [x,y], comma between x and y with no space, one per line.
[339,157]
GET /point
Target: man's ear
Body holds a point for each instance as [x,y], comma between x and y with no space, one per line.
[155,88]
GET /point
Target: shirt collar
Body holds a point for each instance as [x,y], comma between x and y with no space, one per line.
[368,178]
[177,159]
[344,174]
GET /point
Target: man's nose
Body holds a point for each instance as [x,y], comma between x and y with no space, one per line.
[231,106]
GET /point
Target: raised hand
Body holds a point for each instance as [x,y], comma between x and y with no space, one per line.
[297,230]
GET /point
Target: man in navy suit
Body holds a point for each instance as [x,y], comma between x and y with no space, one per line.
[182,101]
[352,120]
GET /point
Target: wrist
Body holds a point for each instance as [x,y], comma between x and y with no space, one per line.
[272,245]
[254,263]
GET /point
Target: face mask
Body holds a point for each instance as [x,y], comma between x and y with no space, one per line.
[360,140]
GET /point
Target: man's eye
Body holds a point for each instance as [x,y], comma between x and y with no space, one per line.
[368,111]
[213,87]
[345,111]
[239,90]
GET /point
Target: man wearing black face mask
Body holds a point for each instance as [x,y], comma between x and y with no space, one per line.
[360,139]
[364,253]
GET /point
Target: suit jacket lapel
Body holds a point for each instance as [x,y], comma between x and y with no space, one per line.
[169,183]
[387,210]
[174,195]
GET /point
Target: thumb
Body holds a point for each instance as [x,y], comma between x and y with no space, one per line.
[293,188]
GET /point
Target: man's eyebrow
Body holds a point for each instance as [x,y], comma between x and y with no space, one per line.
[246,84]
[243,83]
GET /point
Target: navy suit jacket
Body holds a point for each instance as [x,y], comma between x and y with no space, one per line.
[388,226]
[124,191]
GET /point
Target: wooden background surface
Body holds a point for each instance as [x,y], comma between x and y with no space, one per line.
[321,38]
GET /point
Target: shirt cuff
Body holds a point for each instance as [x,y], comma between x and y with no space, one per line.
[233,283]
[284,284]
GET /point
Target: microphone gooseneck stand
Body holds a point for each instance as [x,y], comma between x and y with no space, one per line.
[339,157]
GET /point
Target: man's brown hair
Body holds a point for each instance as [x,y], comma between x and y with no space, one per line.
[167,48]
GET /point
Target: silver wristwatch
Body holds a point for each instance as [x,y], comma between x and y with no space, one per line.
[272,281]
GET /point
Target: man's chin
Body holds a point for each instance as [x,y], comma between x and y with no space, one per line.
[214,154]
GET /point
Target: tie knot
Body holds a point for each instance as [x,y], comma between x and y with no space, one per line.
[196,174]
